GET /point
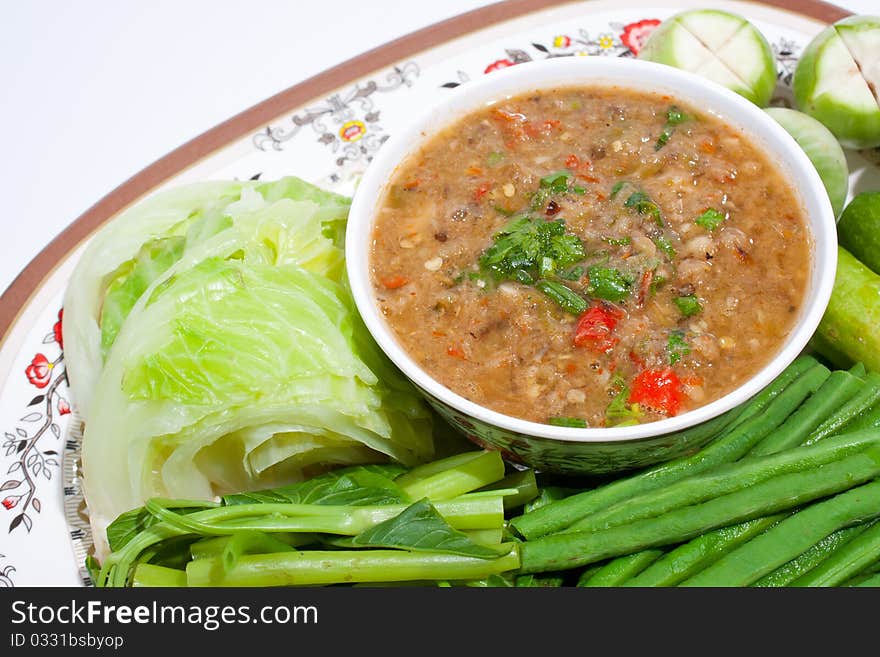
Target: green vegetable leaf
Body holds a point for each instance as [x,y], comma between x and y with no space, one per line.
[559,421]
[688,305]
[662,242]
[710,219]
[568,299]
[608,283]
[93,568]
[573,274]
[663,139]
[677,347]
[421,528]
[674,117]
[557,182]
[615,189]
[554,183]
[524,243]
[643,204]
[657,282]
[130,281]
[619,411]
[353,486]
[131,523]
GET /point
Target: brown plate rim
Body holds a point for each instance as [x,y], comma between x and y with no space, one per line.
[17,296]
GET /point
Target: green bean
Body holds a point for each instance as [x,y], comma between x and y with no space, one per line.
[867,573]
[872,581]
[857,405]
[859,370]
[726,479]
[793,536]
[870,419]
[838,388]
[699,553]
[806,561]
[726,448]
[760,401]
[845,562]
[619,570]
[572,550]
[546,580]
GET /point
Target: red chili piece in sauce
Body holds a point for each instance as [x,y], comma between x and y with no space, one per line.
[659,390]
[594,328]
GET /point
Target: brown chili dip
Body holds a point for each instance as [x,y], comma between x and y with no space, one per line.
[590,256]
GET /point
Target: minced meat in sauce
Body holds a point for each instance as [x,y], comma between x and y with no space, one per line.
[590,257]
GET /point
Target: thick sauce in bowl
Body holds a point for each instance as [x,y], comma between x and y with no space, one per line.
[590,256]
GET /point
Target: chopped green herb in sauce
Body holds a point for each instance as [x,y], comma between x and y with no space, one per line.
[608,283]
[688,305]
[674,117]
[619,412]
[576,422]
[567,299]
[643,204]
[524,243]
[573,274]
[677,347]
[662,242]
[710,219]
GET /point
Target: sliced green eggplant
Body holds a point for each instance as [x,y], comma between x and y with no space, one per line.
[718,45]
[837,80]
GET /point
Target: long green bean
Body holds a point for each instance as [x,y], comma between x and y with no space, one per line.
[846,561]
[757,404]
[838,388]
[619,570]
[793,536]
[806,561]
[864,399]
[564,551]
[872,581]
[726,479]
[869,419]
[699,553]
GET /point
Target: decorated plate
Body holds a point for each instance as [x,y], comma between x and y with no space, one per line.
[326,131]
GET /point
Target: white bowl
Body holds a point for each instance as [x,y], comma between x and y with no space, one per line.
[591,449]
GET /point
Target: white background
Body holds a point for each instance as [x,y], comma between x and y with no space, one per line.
[92,91]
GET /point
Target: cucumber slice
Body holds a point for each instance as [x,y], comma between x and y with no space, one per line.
[718,45]
[822,148]
[837,80]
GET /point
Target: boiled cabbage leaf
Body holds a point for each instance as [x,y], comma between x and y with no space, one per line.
[213,347]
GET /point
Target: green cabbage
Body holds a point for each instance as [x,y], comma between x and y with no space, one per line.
[213,347]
